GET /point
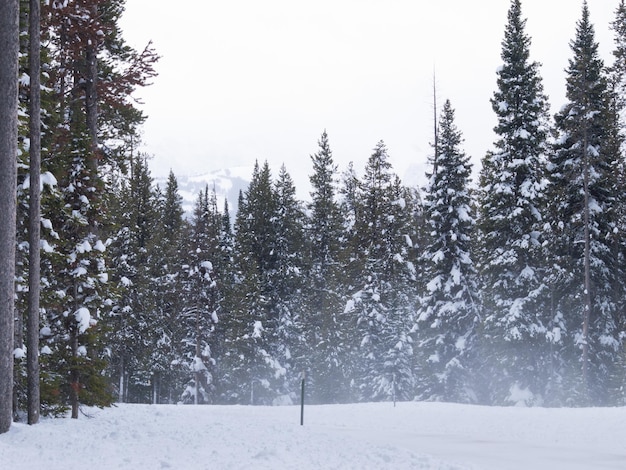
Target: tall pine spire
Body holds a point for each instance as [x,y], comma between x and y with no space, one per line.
[324,334]
[448,316]
[582,195]
[512,185]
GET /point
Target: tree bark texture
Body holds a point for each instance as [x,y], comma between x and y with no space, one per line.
[91,93]
[9,48]
[34,215]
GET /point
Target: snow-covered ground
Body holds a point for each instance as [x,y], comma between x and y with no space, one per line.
[366,436]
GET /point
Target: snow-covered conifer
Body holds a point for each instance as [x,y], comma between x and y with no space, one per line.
[448,318]
[133,315]
[325,341]
[511,201]
[167,372]
[378,305]
[250,366]
[583,203]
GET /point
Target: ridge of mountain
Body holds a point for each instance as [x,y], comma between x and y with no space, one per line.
[226,182]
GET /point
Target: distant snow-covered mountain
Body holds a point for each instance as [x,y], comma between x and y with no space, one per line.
[229,181]
[226,182]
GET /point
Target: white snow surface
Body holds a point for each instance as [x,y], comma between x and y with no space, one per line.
[432,436]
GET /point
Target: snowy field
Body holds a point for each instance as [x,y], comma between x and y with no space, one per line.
[367,436]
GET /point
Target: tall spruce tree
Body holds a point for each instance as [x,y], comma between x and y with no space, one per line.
[91,75]
[251,371]
[167,259]
[448,318]
[618,69]
[131,321]
[200,292]
[287,281]
[381,348]
[225,273]
[397,357]
[511,200]
[617,108]
[323,319]
[583,200]
[350,210]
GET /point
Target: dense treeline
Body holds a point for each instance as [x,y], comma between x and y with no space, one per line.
[511,291]
[89,123]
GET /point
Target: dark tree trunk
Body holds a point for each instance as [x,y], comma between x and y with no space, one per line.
[587,306]
[91,95]
[91,104]
[74,373]
[121,395]
[9,48]
[34,215]
[156,388]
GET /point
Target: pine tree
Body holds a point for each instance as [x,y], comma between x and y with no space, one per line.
[91,75]
[617,141]
[323,319]
[287,283]
[448,319]
[79,283]
[397,358]
[618,70]
[94,68]
[225,269]
[583,201]
[253,317]
[512,193]
[350,210]
[132,321]
[200,292]
[382,348]
[167,258]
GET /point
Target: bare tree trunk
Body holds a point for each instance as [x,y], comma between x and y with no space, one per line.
[74,374]
[120,394]
[18,342]
[34,215]
[587,280]
[91,104]
[91,96]
[198,356]
[436,126]
[9,48]
[156,388]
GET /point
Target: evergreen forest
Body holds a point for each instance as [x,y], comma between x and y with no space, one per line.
[510,289]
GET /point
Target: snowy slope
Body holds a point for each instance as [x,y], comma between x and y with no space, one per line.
[367,436]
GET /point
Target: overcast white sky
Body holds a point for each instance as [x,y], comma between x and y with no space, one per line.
[241,80]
